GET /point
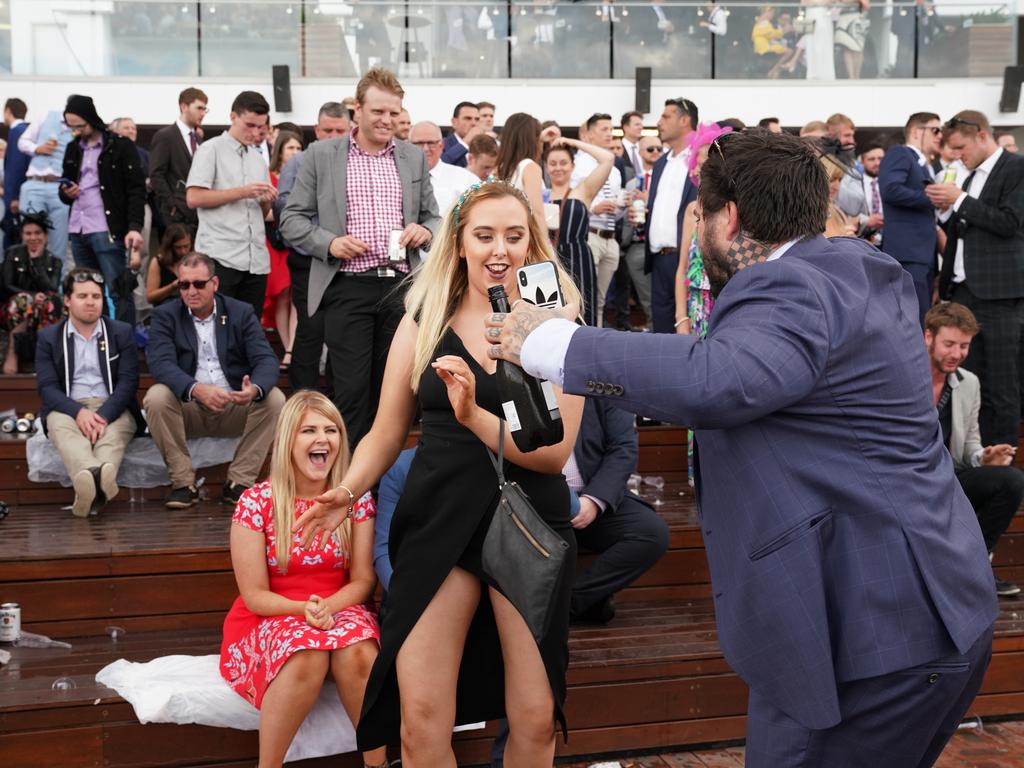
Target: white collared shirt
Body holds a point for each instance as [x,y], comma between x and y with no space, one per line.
[583,166]
[663,229]
[981,174]
[87,378]
[186,135]
[448,182]
[544,350]
[208,370]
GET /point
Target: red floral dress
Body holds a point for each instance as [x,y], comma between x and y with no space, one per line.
[256,647]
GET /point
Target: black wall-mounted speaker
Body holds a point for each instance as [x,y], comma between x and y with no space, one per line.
[282,88]
[643,90]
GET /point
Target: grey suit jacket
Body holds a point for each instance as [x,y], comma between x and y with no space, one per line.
[852,200]
[964,434]
[315,212]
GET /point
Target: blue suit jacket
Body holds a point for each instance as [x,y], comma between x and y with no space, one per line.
[119,366]
[15,166]
[909,234]
[606,451]
[840,544]
[689,195]
[454,153]
[391,487]
[242,346]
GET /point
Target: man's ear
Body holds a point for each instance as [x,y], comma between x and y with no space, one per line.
[733,226]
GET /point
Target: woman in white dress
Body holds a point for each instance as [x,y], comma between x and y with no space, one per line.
[819,43]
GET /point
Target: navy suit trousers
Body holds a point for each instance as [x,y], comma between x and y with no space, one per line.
[899,720]
[663,291]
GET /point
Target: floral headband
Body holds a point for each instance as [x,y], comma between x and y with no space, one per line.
[492,179]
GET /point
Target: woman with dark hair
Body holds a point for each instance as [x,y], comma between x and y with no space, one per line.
[30,290]
[570,239]
[278,310]
[162,272]
[519,159]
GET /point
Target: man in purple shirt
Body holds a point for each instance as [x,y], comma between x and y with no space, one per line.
[106,189]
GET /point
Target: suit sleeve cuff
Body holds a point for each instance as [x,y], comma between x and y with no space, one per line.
[601,504]
[544,350]
[259,391]
[976,457]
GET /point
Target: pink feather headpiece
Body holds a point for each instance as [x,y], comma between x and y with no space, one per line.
[705,134]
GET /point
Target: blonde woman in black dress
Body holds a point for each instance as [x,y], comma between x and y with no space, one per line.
[453,649]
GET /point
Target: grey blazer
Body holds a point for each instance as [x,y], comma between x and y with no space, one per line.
[315,212]
[964,434]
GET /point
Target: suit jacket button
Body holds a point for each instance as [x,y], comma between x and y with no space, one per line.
[707,531]
[933,677]
[617,390]
[590,386]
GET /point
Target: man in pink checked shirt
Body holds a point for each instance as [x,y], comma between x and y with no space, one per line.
[362,207]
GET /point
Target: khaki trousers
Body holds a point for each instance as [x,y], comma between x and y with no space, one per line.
[172,421]
[76,450]
[606,261]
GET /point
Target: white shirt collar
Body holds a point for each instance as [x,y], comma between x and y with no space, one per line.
[990,163]
[97,330]
[782,249]
[207,319]
[920,155]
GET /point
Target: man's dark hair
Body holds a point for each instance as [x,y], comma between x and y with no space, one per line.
[332,109]
[290,127]
[463,104]
[80,275]
[951,314]
[18,108]
[732,122]
[627,116]
[685,107]
[871,146]
[192,94]
[764,122]
[483,145]
[197,259]
[595,118]
[918,119]
[776,180]
[250,101]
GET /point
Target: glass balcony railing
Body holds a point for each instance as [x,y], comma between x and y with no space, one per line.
[814,39]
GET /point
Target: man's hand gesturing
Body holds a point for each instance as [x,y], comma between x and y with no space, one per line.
[507,332]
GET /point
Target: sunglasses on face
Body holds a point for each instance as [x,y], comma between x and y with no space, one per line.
[955,122]
[184,285]
[933,129]
[430,143]
[652,149]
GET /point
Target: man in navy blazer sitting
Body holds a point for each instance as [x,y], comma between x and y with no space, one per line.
[87,373]
[851,582]
[910,224]
[216,376]
[465,127]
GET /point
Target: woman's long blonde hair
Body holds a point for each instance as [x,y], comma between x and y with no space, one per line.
[441,283]
[282,470]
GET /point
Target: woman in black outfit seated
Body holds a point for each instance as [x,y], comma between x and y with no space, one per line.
[30,280]
[452,645]
[162,274]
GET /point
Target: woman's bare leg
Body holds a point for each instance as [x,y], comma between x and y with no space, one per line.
[286,703]
[529,703]
[350,668]
[428,670]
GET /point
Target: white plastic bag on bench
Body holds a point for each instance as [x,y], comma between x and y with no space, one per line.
[189,689]
[143,466]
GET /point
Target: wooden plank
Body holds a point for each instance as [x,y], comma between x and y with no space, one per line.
[73,748]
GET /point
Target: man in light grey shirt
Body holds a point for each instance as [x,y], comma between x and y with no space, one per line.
[230,186]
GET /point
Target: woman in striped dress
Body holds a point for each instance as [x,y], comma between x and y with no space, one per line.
[570,239]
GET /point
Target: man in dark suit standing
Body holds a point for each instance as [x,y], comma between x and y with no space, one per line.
[851,582]
[351,198]
[215,375]
[170,157]
[671,191]
[983,265]
[910,228]
[15,167]
[465,126]
[87,376]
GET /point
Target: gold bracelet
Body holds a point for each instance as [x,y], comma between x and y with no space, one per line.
[351,501]
[680,322]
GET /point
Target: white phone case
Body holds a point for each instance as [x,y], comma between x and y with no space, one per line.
[538,284]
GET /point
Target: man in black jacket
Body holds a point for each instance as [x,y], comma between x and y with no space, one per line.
[170,159]
[106,190]
[88,374]
[983,265]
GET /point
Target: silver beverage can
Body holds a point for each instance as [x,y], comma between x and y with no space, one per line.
[8,425]
[10,622]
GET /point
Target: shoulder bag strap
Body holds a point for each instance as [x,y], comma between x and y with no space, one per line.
[499,460]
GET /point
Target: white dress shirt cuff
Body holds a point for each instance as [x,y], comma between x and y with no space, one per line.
[544,350]
[945,215]
[600,503]
[959,201]
[976,457]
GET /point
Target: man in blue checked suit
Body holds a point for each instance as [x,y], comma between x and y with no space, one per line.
[851,583]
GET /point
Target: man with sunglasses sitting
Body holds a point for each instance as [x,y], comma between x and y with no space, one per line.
[87,373]
[215,376]
[910,226]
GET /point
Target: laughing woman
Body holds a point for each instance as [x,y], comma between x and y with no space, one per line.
[300,615]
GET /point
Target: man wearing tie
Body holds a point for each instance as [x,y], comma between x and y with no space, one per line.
[170,159]
[862,197]
[981,266]
[910,231]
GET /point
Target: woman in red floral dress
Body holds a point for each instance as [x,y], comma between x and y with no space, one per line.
[293,626]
